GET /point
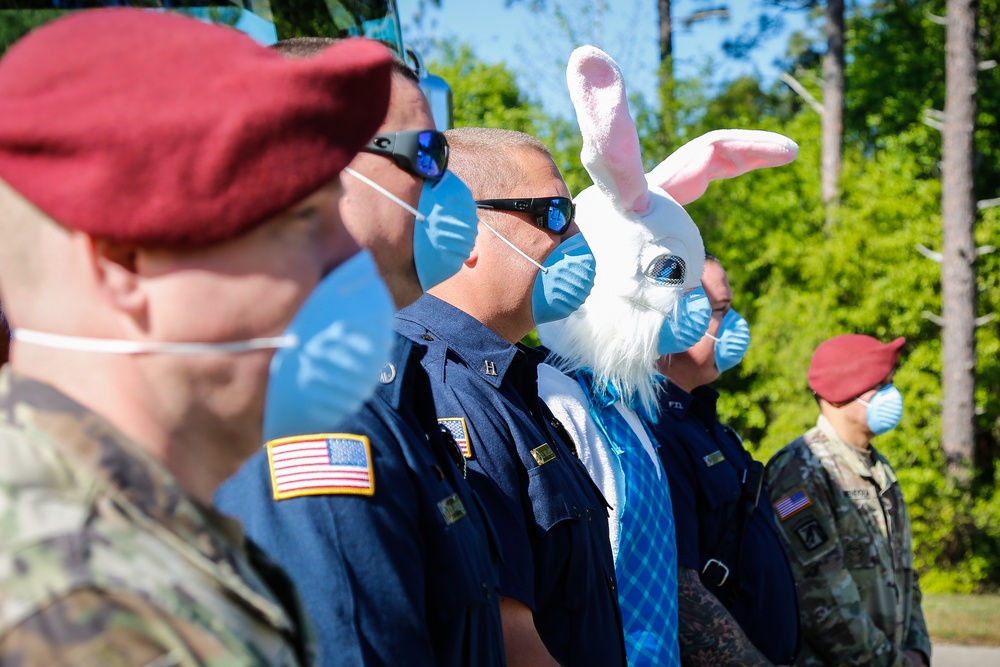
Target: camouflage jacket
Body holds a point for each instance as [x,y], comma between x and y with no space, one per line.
[847,529]
[105,561]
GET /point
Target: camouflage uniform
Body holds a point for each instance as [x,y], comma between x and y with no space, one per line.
[104,561]
[843,518]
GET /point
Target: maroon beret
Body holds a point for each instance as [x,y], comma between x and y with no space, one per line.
[161,130]
[847,366]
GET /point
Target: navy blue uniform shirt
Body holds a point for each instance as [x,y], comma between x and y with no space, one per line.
[706,489]
[551,518]
[404,576]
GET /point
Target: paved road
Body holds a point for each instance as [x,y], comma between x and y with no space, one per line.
[946,655]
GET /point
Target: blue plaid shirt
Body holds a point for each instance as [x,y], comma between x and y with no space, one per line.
[646,567]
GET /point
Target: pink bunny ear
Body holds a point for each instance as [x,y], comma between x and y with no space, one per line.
[610,142]
[685,175]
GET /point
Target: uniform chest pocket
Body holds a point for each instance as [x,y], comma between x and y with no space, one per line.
[563,517]
[460,572]
[554,495]
[718,483]
[859,551]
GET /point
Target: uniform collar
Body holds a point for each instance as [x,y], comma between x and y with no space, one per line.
[141,485]
[836,445]
[476,344]
[396,375]
[677,402]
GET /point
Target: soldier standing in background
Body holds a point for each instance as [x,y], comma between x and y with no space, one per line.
[169,200]
[842,515]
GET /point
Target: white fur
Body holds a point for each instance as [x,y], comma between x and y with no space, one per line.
[629,219]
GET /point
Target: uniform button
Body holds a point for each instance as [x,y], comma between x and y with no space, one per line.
[588,515]
[426,337]
[486,591]
[576,512]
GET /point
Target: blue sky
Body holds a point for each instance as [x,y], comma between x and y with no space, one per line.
[535,48]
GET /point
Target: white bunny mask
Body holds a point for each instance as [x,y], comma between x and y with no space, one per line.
[648,250]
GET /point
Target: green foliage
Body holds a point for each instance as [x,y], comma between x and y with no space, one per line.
[16,23]
[489,96]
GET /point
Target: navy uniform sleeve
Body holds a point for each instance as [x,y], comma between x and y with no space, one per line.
[683,495]
[357,560]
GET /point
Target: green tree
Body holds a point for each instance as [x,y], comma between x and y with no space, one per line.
[489,96]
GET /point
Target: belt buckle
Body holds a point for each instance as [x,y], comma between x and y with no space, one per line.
[715,561]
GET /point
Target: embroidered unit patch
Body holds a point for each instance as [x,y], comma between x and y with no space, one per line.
[460,431]
[322,464]
[452,508]
[791,504]
[811,535]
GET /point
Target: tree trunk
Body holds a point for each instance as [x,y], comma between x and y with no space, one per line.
[958,267]
[666,72]
[833,107]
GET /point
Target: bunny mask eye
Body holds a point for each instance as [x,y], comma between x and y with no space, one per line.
[667,270]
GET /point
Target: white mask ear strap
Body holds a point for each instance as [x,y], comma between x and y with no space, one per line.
[715,338]
[515,248]
[385,193]
[113,346]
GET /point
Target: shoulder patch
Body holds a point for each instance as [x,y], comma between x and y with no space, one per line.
[811,534]
[460,431]
[321,464]
[792,504]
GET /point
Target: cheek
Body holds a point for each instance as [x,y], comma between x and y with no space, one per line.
[704,350]
[234,308]
[715,324]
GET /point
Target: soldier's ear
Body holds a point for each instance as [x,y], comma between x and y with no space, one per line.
[114,270]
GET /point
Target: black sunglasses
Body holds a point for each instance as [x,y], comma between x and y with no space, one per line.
[423,153]
[552,213]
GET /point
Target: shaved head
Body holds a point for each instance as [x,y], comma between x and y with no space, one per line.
[488,159]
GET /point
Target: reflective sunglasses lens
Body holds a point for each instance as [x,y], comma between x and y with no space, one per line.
[432,154]
[560,215]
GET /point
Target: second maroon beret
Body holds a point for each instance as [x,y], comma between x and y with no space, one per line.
[844,367]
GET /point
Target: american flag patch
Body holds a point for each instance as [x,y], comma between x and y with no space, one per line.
[791,504]
[456,426]
[323,464]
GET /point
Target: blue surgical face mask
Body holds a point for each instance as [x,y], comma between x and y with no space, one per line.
[732,341]
[444,230]
[344,331]
[563,282]
[885,409]
[688,325]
